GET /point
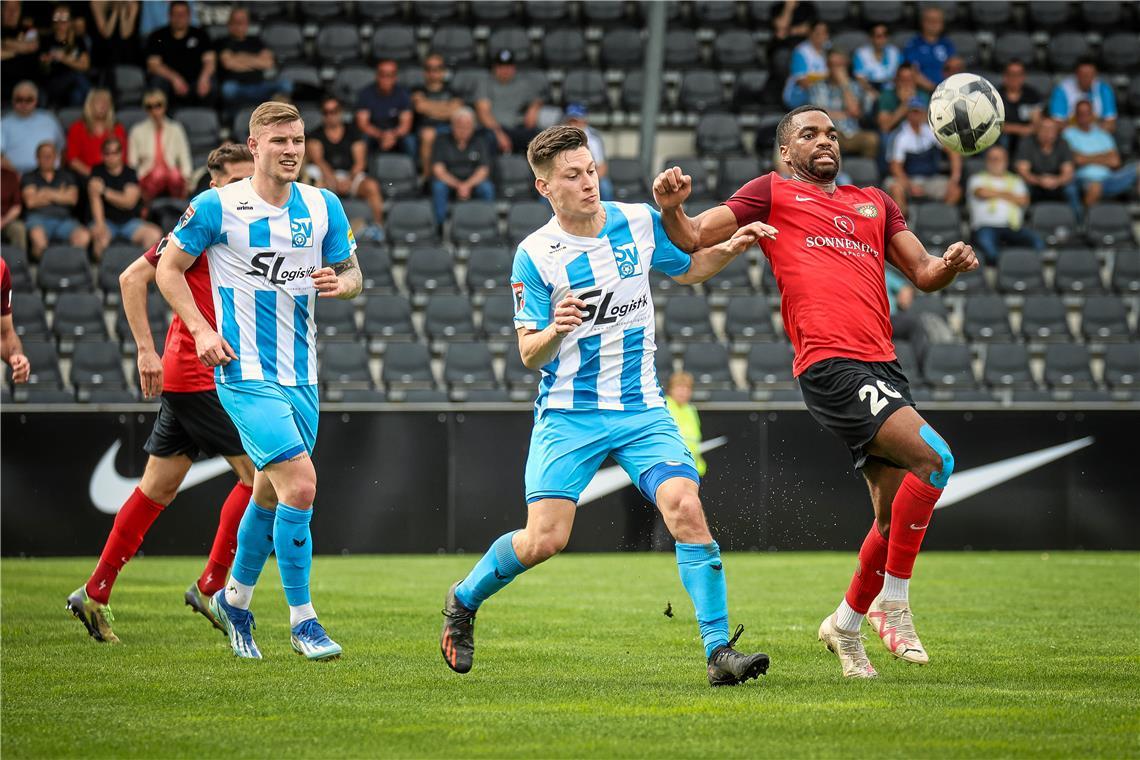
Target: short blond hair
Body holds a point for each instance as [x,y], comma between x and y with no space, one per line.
[679,378]
[271,113]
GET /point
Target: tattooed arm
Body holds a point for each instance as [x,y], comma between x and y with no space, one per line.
[341,280]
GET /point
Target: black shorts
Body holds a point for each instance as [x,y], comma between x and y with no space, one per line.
[853,399]
[193,424]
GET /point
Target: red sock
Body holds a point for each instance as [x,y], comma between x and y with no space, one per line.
[910,515]
[868,579]
[225,540]
[131,524]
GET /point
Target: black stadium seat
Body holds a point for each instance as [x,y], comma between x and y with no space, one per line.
[1077,271]
[718,135]
[411,222]
[687,319]
[1104,319]
[1053,220]
[622,47]
[1121,365]
[499,320]
[345,365]
[64,268]
[397,175]
[524,218]
[1067,366]
[455,43]
[336,319]
[394,41]
[1065,49]
[987,319]
[406,366]
[513,38]
[1020,271]
[430,270]
[44,363]
[1007,366]
[770,365]
[748,319]
[29,316]
[376,267]
[947,366]
[708,364]
[285,39]
[338,44]
[701,91]
[587,87]
[630,184]
[79,316]
[489,269]
[449,317]
[1109,223]
[735,49]
[1126,272]
[467,366]
[388,318]
[96,363]
[474,222]
[564,48]
[513,178]
[1043,319]
[684,50]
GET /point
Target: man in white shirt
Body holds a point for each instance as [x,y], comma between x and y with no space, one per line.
[998,199]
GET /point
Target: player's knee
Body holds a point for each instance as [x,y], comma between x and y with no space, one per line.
[299,493]
[940,464]
[546,545]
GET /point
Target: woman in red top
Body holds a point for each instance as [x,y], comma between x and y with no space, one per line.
[86,136]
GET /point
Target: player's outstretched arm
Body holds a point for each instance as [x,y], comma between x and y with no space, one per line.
[13,350]
[340,280]
[212,349]
[708,261]
[133,284]
[670,189]
[929,273]
[539,347]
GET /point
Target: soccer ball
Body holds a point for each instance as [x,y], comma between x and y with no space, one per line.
[966,114]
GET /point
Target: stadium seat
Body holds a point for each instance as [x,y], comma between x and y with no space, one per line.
[489,269]
[564,48]
[1020,271]
[1053,220]
[1104,319]
[376,268]
[750,91]
[44,361]
[129,83]
[406,366]
[467,366]
[1125,136]
[321,12]
[79,316]
[849,40]
[1077,271]
[1007,366]
[987,319]
[396,42]
[714,13]
[449,317]
[708,364]
[513,178]
[430,270]
[286,41]
[889,13]
[1126,272]
[388,318]
[864,172]
[1046,14]
[513,38]
[1121,365]
[733,173]
[29,316]
[966,47]
[687,319]
[622,47]
[348,83]
[735,49]
[357,211]
[603,13]
[96,363]
[435,13]
[630,184]
[17,261]
[397,174]
[498,324]
[1043,319]
[1009,45]
[201,126]
[1120,53]
[947,366]
[770,365]
[64,268]
[684,49]
[836,14]
[1065,49]
[354,395]
[455,43]
[748,319]
[937,224]
[718,135]
[344,365]
[474,222]
[1109,224]
[695,168]
[522,382]
[524,218]
[336,319]
[116,258]
[908,361]
[338,44]
[701,91]
[734,279]
[411,222]
[101,395]
[588,87]
[545,13]
[261,12]
[633,93]
[1108,17]
[1067,366]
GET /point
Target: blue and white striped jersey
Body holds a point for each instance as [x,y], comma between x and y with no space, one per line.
[261,258]
[607,362]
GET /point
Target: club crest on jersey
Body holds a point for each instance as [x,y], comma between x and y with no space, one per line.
[868,210]
[520,298]
[845,225]
[302,232]
[627,260]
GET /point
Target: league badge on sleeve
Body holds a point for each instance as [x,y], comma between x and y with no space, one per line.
[187,215]
[517,290]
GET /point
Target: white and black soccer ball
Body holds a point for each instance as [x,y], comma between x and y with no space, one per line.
[966,113]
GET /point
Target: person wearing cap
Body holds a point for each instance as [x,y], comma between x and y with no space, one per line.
[508,105]
[577,115]
[384,112]
[915,158]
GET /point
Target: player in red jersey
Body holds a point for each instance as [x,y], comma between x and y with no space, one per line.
[10,346]
[191,421]
[828,249]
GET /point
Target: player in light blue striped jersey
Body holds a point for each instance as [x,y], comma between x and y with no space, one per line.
[584,315]
[273,246]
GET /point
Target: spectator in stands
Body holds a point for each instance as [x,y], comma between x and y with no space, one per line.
[894,101]
[12,229]
[577,115]
[65,60]
[916,161]
[19,46]
[793,22]
[25,127]
[930,49]
[1099,170]
[50,197]
[875,64]
[115,36]
[460,165]
[243,61]
[1045,162]
[678,400]
[116,203]
[998,198]
[955,64]
[86,136]
[808,65]
[841,97]
[384,112]
[1022,106]
[160,151]
[180,59]
[507,105]
[1084,84]
[434,103]
[338,156]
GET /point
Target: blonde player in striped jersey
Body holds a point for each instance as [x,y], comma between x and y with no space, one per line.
[273,245]
[584,315]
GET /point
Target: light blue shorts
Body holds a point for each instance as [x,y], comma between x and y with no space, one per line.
[567,447]
[275,422]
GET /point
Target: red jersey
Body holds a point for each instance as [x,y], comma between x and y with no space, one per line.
[828,259]
[5,289]
[181,370]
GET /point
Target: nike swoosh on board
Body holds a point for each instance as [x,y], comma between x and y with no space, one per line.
[108,489]
[612,479]
[963,485]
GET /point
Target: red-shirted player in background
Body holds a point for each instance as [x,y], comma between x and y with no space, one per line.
[827,248]
[191,421]
[10,346]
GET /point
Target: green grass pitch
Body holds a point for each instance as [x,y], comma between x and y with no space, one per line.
[1032,655]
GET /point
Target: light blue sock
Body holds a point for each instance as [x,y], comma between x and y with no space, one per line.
[293,542]
[496,569]
[254,543]
[702,575]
